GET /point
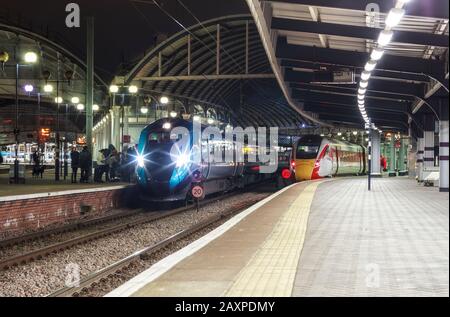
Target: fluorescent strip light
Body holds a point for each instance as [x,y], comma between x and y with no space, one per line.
[385,38]
[370,66]
[394,17]
[362,91]
[365,75]
[363,84]
[377,54]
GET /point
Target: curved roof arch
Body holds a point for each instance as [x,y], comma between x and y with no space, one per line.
[242,87]
[53,57]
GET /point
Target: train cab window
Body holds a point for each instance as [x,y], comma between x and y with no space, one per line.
[163,137]
[307,152]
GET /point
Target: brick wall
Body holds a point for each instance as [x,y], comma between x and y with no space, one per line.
[31,212]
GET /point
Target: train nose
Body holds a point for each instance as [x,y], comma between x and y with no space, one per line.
[304,169]
[160,166]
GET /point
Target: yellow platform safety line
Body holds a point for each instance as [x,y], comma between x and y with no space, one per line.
[272,269]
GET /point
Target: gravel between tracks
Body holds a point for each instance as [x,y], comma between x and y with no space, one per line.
[39,243]
[49,274]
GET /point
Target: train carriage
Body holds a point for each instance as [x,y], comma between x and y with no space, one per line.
[316,157]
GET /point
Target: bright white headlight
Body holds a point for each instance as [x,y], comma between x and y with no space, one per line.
[140,161]
[182,160]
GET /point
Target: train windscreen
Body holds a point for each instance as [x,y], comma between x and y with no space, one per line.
[163,137]
[308,148]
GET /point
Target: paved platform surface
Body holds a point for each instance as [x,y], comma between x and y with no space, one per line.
[45,185]
[328,238]
[393,241]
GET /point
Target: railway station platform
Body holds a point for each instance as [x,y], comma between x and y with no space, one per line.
[47,184]
[324,238]
[42,202]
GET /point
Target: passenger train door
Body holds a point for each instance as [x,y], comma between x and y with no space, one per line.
[334,160]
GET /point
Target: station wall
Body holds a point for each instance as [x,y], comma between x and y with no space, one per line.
[23,213]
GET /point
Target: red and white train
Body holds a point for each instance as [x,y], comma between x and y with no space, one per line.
[316,157]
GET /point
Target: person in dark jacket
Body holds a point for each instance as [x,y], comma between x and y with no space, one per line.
[75,163]
[85,164]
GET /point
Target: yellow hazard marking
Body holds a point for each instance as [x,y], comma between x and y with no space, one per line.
[272,269]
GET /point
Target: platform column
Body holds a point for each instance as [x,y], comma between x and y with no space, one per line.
[101,141]
[115,131]
[126,120]
[98,140]
[429,130]
[392,171]
[108,127]
[402,169]
[444,149]
[376,153]
[420,152]
[111,127]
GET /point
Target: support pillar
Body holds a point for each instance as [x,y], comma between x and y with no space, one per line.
[392,162]
[126,120]
[429,130]
[376,153]
[444,148]
[108,128]
[116,131]
[420,152]
[402,166]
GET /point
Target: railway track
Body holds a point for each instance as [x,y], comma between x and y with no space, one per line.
[67,228]
[123,265]
[40,253]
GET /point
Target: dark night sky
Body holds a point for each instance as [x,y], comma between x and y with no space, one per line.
[124,29]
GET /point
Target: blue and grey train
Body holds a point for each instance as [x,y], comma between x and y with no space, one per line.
[163,176]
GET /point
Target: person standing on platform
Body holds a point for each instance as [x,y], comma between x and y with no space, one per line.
[383,163]
[75,163]
[113,162]
[100,169]
[85,165]
[35,158]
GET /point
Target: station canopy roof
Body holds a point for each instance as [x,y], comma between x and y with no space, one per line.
[53,65]
[308,40]
[219,65]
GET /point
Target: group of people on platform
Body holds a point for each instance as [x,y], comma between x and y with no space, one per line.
[110,165]
[80,160]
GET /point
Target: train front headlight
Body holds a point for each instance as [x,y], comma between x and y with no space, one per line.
[140,160]
[182,160]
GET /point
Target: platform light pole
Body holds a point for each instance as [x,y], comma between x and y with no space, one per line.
[29,58]
[90,84]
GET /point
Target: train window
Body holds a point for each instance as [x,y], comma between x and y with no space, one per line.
[307,152]
[163,137]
